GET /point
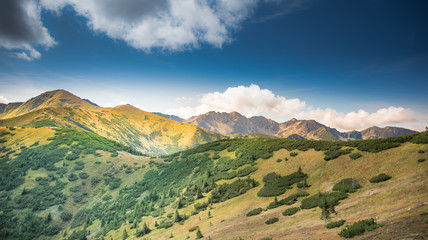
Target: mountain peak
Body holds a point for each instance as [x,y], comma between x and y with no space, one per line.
[54,99]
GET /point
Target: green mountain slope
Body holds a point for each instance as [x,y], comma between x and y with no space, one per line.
[144,131]
[209,190]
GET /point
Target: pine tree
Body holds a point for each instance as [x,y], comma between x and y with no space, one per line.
[199,234]
[177,216]
[125,234]
[48,218]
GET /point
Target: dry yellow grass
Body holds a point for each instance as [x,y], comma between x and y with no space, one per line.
[406,194]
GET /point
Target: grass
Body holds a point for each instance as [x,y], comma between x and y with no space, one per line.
[380,200]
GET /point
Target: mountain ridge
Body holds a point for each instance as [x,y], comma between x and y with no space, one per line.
[235,123]
[144,131]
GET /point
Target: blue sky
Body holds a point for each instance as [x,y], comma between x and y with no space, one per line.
[338,62]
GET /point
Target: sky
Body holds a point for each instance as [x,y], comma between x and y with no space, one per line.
[347,64]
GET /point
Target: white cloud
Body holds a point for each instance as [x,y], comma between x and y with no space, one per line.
[22,29]
[252,100]
[173,25]
[3,100]
[360,119]
[249,101]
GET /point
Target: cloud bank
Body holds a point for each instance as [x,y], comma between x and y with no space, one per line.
[360,119]
[252,101]
[249,101]
[21,29]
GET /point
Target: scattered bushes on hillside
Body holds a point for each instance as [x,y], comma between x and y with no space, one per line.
[359,228]
[276,184]
[246,171]
[355,156]
[272,220]
[80,218]
[380,178]
[227,191]
[421,160]
[421,151]
[253,212]
[293,154]
[290,211]
[347,185]
[335,224]
[290,200]
[335,153]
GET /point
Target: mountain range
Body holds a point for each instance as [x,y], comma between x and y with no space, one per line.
[235,123]
[70,169]
[146,132]
[158,134]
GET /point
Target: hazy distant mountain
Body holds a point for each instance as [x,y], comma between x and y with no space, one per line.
[144,131]
[172,117]
[235,123]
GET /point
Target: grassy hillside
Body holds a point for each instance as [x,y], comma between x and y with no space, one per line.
[147,132]
[92,186]
[53,99]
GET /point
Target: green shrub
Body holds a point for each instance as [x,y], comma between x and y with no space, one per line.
[347,185]
[354,156]
[246,171]
[293,154]
[335,224]
[288,200]
[421,160]
[421,151]
[334,153]
[72,177]
[380,178]
[80,218]
[279,160]
[66,216]
[83,175]
[107,197]
[276,184]
[227,191]
[75,188]
[253,212]
[290,211]
[359,228]
[193,228]
[272,220]
[95,180]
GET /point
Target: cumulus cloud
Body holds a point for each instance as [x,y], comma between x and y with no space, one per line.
[360,119]
[21,28]
[249,101]
[3,100]
[252,101]
[163,24]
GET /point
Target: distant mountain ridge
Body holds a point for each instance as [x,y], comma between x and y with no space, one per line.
[149,133]
[235,123]
[172,117]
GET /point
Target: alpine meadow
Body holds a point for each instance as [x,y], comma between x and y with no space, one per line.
[212,119]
